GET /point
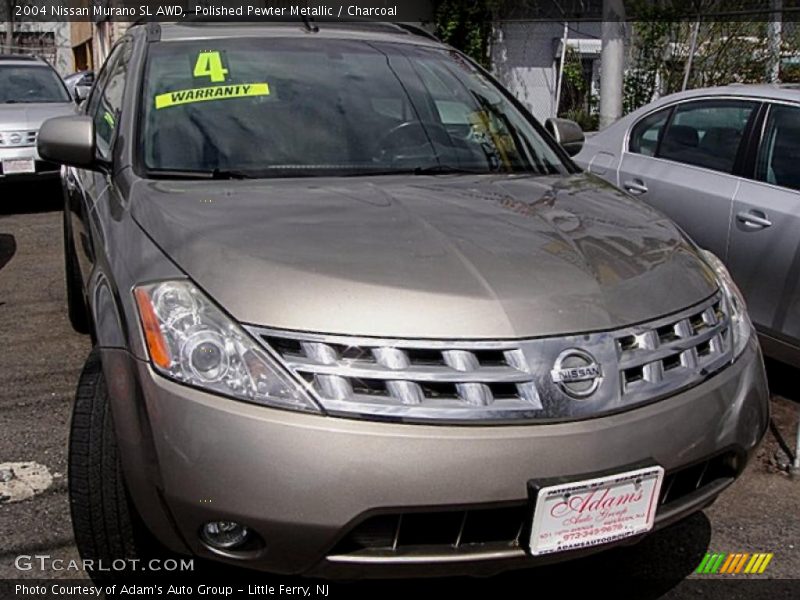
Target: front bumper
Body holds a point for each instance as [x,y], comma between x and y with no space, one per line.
[303,482]
[44,169]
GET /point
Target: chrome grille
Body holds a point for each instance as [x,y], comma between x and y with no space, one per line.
[674,353]
[504,381]
[439,377]
[17,139]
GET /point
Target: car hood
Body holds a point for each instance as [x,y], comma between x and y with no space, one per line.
[426,257]
[22,117]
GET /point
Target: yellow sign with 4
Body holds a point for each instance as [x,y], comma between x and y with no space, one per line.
[209,64]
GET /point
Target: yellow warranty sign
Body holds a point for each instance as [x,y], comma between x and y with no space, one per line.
[217,92]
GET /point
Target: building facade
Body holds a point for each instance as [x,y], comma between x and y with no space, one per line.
[49,39]
[526,58]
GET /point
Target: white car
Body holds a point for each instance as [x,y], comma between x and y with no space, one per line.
[30,93]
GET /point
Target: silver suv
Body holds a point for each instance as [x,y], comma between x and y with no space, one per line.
[355,312]
[30,92]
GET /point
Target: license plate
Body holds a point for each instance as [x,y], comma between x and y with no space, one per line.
[595,511]
[18,165]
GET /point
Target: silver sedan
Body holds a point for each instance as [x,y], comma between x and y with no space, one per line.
[724,163]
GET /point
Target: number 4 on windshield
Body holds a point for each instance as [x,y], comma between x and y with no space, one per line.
[209,64]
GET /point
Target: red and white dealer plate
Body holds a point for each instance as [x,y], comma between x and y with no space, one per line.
[595,511]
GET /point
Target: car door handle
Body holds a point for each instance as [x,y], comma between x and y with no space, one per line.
[635,186]
[754,219]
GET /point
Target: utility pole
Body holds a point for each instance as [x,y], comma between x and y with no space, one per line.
[690,58]
[612,62]
[774,36]
[564,39]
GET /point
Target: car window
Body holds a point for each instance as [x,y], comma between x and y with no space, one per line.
[102,78]
[108,106]
[706,133]
[332,107]
[646,134]
[778,160]
[28,85]
[468,109]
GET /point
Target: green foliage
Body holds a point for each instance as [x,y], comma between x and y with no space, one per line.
[589,121]
[790,74]
[650,40]
[467,25]
[576,102]
[727,51]
[574,80]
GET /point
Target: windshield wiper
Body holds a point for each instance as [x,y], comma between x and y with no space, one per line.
[189,174]
[447,169]
[229,174]
[429,170]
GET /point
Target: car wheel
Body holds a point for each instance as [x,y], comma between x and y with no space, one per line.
[105,523]
[76,303]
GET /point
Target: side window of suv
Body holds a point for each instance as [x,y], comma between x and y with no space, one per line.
[707,133]
[106,102]
[646,134]
[102,77]
[779,153]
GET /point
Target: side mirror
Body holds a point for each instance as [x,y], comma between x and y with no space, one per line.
[567,133]
[67,141]
[81,93]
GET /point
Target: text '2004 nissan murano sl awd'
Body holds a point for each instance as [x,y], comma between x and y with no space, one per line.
[356,313]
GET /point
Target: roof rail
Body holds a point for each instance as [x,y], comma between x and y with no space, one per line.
[417,30]
[310,24]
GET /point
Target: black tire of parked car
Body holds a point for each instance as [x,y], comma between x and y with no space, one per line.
[76,302]
[104,520]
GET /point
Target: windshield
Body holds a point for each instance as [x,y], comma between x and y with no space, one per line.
[316,107]
[30,84]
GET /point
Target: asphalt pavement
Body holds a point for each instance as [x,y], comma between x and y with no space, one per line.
[41,357]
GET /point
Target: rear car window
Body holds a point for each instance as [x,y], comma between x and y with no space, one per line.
[779,153]
[647,133]
[298,107]
[706,133]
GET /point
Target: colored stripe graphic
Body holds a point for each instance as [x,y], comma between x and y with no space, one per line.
[717,563]
[731,560]
[711,563]
[731,564]
[701,568]
[741,562]
[767,558]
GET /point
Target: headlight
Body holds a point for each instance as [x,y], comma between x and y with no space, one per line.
[192,341]
[741,327]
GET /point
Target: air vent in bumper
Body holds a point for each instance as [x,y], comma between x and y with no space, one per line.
[497,531]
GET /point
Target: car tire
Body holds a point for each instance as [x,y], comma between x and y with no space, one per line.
[105,523]
[76,302]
